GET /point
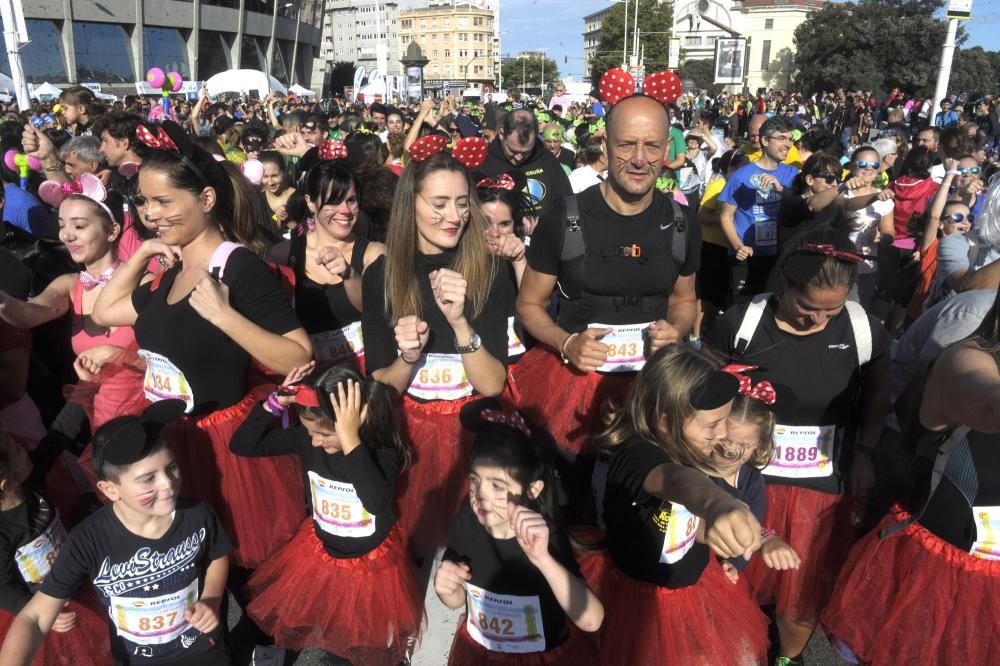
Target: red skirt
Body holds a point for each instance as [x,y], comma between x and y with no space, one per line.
[710,623]
[567,402]
[432,488]
[578,649]
[818,526]
[366,609]
[913,598]
[259,500]
[86,644]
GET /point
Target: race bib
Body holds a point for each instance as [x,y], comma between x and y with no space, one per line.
[681,529]
[35,559]
[987,543]
[153,620]
[514,345]
[765,233]
[440,377]
[626,347]
[339,344]
[504,622]
[165,381]
[337,509]
[802,452]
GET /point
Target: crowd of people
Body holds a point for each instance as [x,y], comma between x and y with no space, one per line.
[666,378]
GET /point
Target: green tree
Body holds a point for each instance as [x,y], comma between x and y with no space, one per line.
[655,20]
[525,74]
[974,71]
[702,72]
[872,45]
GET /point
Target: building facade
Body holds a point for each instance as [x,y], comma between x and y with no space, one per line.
[593,32]
[771,26]
[353,30]
[457,38]
[115,42]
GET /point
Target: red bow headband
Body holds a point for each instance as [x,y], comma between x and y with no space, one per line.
[305,395]
[762,391]
[617,84]
[158,141]
[425,147]
[829,250]
[509,419]
[470,152]
[502,182]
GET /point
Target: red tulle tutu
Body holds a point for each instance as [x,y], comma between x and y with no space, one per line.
[117,392]
[710,623]
[913,598]
[579,649]
[366,609]
[432,488]
[567,402]
[259,500]
[818,527]
[86,644]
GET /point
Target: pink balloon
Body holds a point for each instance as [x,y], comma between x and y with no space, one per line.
[176,81]
[156,77]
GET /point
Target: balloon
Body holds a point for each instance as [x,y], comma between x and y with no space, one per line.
[156,77]
[176,81]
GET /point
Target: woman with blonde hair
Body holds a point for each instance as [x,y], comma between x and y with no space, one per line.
[435,328]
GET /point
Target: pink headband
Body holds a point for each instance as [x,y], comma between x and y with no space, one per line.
[88,185]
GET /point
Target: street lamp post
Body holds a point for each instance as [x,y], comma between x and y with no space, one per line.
[295,48]
[270,44]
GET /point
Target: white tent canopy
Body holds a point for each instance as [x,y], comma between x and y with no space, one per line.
[7,84]
[46,90]
[376,87]
[243,80]
[301,91]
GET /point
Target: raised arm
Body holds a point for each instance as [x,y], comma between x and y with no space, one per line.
[51,304]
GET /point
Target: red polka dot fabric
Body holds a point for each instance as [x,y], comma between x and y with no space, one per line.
[331,149]
[664,87]
[471,151]
[615,85]
[424,147]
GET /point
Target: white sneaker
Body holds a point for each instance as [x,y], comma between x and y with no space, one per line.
[268,655]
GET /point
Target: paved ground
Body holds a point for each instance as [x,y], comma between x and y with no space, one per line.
[440,628]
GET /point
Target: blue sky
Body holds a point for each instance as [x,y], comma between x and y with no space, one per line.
[557,25]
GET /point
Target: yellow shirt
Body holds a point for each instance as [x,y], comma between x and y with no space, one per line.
[793,157]
[712,233]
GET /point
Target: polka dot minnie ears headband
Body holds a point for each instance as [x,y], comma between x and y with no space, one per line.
[617,84]
[470,151]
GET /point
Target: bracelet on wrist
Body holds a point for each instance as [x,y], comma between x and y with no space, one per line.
[767,533]
[402,355]
[562,347]
[953,172]
[274,406]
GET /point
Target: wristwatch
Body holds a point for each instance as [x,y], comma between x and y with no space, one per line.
[474,344]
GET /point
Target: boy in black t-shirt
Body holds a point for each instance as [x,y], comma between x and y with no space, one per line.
[158,563]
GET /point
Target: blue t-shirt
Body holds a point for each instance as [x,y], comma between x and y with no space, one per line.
[756,216]
[23,210]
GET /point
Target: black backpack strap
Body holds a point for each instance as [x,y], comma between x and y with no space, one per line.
[679,246]
[957,437]
[573,245]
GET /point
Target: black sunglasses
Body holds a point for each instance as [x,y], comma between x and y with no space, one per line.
[828,177]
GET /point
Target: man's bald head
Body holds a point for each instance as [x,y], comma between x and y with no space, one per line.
[628,107]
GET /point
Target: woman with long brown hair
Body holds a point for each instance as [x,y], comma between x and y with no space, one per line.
[435,328]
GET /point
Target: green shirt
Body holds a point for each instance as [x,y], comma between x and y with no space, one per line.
[677,143]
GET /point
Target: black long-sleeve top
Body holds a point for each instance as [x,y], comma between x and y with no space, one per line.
[334,483]
[16,524]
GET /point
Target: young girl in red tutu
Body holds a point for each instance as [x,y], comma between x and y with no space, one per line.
[199,325]
[738,460]
[506,561]
[924,588]
[435,330]
[31,534]
[667,600]
[344,583]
